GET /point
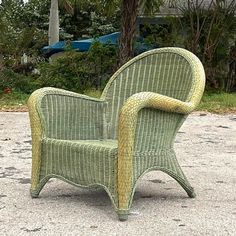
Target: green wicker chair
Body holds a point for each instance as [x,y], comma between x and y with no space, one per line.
[113,141]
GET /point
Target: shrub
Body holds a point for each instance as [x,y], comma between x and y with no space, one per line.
[209,32]
[79,71]
[9,80]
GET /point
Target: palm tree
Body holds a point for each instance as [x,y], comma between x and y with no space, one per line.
[129,9]
[53,31]
[129,13]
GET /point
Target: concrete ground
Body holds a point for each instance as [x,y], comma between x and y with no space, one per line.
[206,149]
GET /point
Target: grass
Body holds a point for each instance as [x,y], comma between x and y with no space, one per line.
[219,103]
[93,93]
[13,101]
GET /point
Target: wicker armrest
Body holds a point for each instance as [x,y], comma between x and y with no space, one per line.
[129,113]
[72,111]
[43,119]
[127,125]
[157,101]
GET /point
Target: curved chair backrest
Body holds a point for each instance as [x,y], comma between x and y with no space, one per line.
[168,71]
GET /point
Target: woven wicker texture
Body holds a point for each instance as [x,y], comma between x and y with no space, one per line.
[112,141]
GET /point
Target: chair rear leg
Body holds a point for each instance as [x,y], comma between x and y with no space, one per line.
[175,171]
[182,180]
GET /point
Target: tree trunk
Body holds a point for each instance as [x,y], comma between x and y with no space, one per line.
[1,62]
[231,78]
[53,31]
[128,28]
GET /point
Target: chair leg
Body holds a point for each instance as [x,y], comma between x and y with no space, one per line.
[35,191]
[192,194]
[175,171]
[123,215]
[185,185]
[125,198]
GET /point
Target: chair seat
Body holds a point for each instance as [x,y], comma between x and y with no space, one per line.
[102,144]
[84,162]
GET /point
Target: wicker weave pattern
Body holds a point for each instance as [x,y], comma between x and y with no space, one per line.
[143,106]
[71,112]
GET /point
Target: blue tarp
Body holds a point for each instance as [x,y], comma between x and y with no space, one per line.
[82,45]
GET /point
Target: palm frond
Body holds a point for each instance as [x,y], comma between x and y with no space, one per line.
[150,6]
[108,6]
[67,5]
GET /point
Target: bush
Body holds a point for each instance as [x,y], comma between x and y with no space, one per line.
[79,71]
[209,33]
[74,71]
[9,80]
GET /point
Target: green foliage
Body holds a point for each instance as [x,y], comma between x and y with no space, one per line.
[17,82]
[101,25]
[209,33]
[108,7]
[207,30]
[22,30]
[12,10]
[150,6]
[87,21]
[79,71]
[20,15]
[158,34]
